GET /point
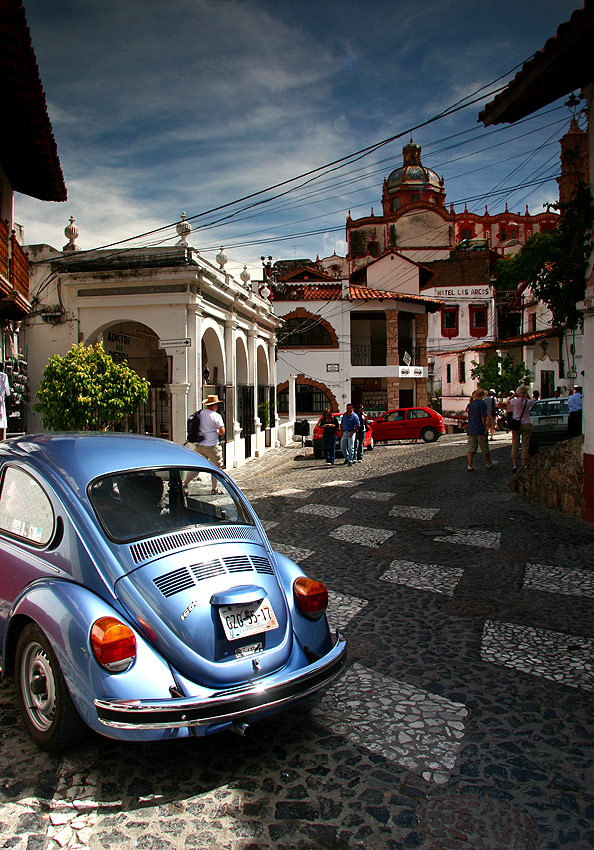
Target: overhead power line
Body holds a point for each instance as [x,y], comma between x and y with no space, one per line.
[463,103]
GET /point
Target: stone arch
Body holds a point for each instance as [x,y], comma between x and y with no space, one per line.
[262,365]
[302,313]
[242,372]
[303,380]
[137,345]
[213,353]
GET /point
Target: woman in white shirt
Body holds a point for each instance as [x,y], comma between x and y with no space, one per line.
[521,405]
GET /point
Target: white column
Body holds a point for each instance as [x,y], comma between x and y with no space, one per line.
[253,368]
[292,399]
[179,411]
[194,316]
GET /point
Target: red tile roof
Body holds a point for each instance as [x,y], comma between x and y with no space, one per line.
[28,152]
[307,292]
[562,65]
[521,339]
[364,293]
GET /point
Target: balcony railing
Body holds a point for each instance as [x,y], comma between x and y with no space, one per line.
[368,355]
[19,268]
[4,250]
[376,355]
[14,275]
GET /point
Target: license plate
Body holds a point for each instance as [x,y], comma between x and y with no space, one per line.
[240,621]
[552,420]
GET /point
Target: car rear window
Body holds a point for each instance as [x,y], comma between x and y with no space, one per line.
[550,407]
[136,504]
[557,407]
[417,413]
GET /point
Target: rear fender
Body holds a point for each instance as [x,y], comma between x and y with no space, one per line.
[313,634]
[65,612]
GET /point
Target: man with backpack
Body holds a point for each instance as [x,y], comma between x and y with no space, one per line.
[204,428]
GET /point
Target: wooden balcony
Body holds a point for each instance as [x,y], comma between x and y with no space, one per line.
[14,276]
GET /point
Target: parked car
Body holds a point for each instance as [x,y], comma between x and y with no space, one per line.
[408,423]
[135,601]
[548,418]
[317,434]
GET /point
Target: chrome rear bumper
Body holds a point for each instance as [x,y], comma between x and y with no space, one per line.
[228,705]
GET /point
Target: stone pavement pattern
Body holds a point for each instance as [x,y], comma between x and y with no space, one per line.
[462,722]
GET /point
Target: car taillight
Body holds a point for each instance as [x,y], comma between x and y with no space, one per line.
[113,643]
[311,597]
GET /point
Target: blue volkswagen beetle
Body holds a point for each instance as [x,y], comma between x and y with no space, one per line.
[141,597]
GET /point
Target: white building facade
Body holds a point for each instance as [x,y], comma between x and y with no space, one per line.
[345,342]
[177,320]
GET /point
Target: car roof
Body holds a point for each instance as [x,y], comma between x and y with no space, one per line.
[81,456]
[415,407]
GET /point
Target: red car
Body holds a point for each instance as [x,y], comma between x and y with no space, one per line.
[408,423]
[318,433]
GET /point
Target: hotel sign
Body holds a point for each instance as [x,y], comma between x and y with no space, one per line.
[472,291]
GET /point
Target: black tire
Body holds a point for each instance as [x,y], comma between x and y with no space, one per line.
[429,435]
[371,445]
[46,707]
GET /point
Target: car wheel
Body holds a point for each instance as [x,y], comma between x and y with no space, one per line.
[46,706]
[371,445]
[429,435]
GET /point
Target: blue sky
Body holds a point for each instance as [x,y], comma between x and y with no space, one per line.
[163,107]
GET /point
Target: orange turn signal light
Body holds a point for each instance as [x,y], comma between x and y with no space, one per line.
[311,597]
[113,643]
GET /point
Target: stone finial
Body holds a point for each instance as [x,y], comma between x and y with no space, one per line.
[265,292]
[71,232]
[221,258]
[184,228]
[245,276]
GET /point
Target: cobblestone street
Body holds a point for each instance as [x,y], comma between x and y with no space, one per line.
[463,720]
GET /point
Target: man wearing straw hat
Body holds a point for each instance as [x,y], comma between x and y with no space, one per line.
[210,428]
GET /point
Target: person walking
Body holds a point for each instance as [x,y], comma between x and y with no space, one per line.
[476,430]
[521,405]
[491,402]
[210,428]
[329,429]
[574,420]
[4,393]
[360,435]
[350,423]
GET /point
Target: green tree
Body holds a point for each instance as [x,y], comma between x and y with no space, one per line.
[87,391]
[500,373]
[554,264]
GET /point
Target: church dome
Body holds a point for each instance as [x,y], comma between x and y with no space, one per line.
[413,182]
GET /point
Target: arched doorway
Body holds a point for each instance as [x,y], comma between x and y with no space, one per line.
[245,396]
[138,346]
[213,362]
[266,394]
